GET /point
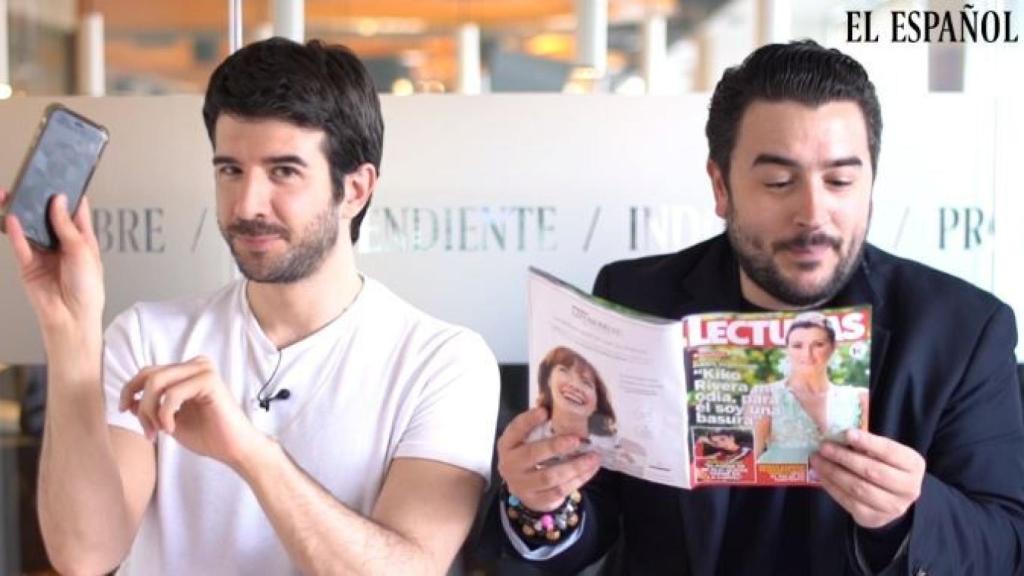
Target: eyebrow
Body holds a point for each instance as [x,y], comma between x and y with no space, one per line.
[283,159]
[790,163]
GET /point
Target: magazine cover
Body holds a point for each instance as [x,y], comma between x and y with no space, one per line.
[764,390]
[712,399]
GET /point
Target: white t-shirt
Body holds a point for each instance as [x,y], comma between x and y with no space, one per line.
[382,381]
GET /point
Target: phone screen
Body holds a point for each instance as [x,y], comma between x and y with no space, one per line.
[62,162]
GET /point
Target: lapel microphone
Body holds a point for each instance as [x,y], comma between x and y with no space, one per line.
[282,394]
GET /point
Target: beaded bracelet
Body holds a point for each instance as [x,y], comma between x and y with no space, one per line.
[550,526]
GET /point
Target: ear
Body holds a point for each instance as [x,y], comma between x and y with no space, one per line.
[359,187]
[721,191]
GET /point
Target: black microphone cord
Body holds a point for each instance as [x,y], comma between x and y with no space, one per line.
[282,394]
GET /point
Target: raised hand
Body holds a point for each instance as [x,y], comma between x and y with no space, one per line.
[540,486]
[65,287]
[874,478]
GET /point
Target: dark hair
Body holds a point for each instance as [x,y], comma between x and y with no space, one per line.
[812,320]
[314,86]
[741,436]
[602,421]
[801,71]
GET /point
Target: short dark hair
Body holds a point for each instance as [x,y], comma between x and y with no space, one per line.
[801,71]
[314,86]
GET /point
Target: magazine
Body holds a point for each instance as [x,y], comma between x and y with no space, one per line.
[729,398]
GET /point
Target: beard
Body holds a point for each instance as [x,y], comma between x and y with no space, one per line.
[758,262]
[301,260]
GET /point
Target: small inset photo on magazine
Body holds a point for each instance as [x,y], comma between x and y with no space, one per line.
[723,455]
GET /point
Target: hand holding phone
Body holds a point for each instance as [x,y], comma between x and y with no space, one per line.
[64,286]
[61,160]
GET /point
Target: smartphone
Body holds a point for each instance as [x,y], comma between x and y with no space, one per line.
[61,160]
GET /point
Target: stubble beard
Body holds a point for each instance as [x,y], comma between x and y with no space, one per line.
[757,262]
[301,261]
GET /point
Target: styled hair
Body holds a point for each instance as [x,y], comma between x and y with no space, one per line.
[314,85]
[602,421]
[812,320]
[800,71]
[743,438]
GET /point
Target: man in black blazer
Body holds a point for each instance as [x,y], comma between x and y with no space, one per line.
[937,484]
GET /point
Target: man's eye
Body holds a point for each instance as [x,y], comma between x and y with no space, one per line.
[835,183]
[228,170]
[284,171]
[777,184]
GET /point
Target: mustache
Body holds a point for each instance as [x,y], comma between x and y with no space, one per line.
[808,240]
[256,228]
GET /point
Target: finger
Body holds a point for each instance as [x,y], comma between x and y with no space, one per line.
[147,427]
[862,514]
[563,472]
[526,457]
[854,493]
[3,196]
[172,371]
[534,453]
[129,399]
[23,252]
[67,233]
[83,221]
[845,501]
[560,482]
[520,427]
[552,497]
[881,474]
[174,398]
[885,449]
[158,382]
[154,379]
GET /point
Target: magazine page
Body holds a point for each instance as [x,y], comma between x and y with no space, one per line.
[766,388]
[611,376]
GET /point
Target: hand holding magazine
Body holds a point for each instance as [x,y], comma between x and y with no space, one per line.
[712,399]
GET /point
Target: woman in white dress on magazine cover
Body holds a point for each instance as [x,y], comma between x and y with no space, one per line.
[805,407]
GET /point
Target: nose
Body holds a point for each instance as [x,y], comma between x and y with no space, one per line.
[811,210]
[252,196]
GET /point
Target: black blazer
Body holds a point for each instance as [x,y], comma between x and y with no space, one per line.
[943,381]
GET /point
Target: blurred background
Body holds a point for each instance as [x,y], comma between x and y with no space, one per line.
[628,47]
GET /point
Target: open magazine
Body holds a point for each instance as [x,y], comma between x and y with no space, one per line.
[712,399]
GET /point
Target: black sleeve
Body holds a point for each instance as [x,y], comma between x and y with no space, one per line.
[969,518]
[880,545]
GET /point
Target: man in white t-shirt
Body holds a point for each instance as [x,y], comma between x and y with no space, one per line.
[302,419]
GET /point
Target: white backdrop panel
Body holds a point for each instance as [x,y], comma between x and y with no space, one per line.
[475,189]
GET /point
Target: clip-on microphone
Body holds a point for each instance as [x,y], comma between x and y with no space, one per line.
[282,394]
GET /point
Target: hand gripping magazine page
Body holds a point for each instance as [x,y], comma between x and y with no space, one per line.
[611,376]
[736,399]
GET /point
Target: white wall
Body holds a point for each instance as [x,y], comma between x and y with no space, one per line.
[610,177]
